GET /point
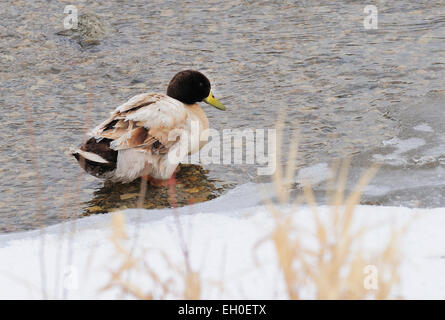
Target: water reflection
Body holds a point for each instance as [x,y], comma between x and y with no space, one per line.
[192,185]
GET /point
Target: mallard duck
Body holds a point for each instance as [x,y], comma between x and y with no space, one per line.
[141,135]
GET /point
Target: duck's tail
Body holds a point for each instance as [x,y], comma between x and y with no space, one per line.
[96,157]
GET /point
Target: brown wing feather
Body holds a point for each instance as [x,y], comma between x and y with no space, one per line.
[136,134]
[135,138]
[118,117]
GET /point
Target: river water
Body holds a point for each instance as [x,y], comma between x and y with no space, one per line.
[377,95]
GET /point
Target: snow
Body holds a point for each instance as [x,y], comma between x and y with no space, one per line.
[227,241]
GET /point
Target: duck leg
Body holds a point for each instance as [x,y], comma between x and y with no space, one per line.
[158,182]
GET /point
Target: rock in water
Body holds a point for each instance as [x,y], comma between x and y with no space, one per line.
[91,28]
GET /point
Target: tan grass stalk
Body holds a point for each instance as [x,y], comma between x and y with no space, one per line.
[35,163]
[335,268]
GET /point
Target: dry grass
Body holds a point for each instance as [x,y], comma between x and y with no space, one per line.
[71,196]
[39,215]
[160,288]
[334,266]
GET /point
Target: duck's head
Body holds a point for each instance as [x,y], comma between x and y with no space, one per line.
[190,86]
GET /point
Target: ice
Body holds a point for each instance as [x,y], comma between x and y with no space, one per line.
[314,174]
[412,163]
[423,127]
[227,238]
[396,158]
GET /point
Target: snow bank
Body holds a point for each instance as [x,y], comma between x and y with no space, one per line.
[223,237]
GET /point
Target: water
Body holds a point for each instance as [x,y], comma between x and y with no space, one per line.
[412,163]
[343,87]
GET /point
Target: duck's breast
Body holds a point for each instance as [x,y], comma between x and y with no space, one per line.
[198,125]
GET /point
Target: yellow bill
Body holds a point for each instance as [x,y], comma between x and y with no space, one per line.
[214,102]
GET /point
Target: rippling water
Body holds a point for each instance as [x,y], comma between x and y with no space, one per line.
[336,82]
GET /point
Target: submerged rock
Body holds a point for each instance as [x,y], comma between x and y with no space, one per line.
[91,29]
[192,185]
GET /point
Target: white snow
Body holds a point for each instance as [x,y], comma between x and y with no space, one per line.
[227,242]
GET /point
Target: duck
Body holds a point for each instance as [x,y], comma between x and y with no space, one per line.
[151,134]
